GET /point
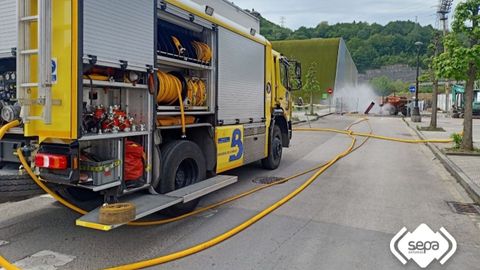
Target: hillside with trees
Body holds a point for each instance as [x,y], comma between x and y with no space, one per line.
[371,45]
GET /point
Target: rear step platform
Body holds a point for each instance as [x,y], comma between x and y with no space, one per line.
[149,204]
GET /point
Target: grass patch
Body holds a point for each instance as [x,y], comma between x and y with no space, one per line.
[457,140]
[457,148]
[461,152]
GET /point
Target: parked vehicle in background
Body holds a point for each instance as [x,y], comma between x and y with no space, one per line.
[458,101]
[395,104]
[14,182]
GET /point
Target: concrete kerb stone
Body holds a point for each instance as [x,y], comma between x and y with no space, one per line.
[472,189]
[313,118]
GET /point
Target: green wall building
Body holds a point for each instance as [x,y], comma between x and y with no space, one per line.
[336,68]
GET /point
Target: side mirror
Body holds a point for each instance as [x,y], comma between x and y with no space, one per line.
[297,80]
[298,70]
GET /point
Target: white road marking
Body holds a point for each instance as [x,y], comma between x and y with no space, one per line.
[44,260]
[3,243]
[209,213]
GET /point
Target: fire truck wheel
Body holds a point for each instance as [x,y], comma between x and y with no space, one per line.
[274,150]
[15,186]
[183,164]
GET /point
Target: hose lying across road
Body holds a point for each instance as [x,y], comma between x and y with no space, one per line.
[241,195]
[4,129]
[222,237]
[374,136]
[214,241]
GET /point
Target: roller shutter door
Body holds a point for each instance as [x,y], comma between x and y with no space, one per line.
[8,27]
[241,78]
[117,30]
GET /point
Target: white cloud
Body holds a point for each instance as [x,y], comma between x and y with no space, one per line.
[310,12]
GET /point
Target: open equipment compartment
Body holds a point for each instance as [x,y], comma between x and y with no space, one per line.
[8,88]
[117,107]
[100,163]
[9,111]
[8,76]
[186,50]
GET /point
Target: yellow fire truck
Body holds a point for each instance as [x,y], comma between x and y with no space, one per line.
[119,97]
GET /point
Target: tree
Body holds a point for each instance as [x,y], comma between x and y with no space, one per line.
[461,59]
[312,85]
[371,45]
[434,77]
[383,86]
[321,30]
[400,86]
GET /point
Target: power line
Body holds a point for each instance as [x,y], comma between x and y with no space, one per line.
[283,21]
[444,8]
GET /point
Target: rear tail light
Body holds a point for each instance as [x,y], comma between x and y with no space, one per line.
[50,161]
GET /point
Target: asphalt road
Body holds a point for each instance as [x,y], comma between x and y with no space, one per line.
[344,220]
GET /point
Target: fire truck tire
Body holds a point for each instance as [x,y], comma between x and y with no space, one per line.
[183,164]
[272,161]
[17,186]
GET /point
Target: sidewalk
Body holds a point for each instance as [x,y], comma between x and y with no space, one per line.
[465,168]
[300,117]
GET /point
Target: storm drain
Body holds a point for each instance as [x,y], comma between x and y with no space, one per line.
[465,208]
[267,180]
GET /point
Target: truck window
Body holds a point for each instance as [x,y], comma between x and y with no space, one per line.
[284,75]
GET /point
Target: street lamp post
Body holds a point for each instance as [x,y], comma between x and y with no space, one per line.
[416,117]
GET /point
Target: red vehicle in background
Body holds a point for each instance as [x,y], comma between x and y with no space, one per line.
[394,105]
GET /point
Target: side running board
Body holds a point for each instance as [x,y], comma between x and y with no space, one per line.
[149,204]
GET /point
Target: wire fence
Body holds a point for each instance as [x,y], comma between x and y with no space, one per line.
[346,104]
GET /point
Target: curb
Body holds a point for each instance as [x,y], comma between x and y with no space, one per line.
[313,119]
[472,189]
[462,154]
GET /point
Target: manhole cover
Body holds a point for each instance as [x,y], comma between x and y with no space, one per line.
[267,180]
[465,208]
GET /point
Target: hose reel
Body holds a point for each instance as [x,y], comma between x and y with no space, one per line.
[192,90]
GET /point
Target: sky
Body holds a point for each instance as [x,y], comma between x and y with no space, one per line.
[311,12]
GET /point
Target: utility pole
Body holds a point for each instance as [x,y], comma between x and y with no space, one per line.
[283,21]
[444,9]
[416,117]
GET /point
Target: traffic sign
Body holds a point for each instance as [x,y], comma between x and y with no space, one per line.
[412,89]
[330,91]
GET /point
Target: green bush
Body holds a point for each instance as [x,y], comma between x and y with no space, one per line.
[457,140]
